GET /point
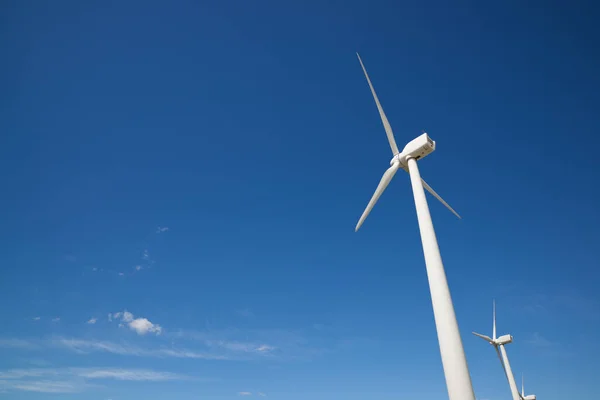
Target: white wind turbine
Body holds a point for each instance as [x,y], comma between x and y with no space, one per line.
[456,371]
[528,397]
[498,344]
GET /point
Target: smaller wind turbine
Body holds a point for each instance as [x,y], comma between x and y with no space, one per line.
[528,397]
[498,344]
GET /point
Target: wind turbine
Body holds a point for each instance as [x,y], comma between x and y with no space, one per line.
[498,344]
[456,370]
[528,397]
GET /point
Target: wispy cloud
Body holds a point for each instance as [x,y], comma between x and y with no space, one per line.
[73,380]
[162,229]
[141,326]
[240,346]
[267,343]
[246,313]
[41,386]
[244,393]
[128,374]
[229,344]
[56,319]
[261,394]
[87,346]
[36,318]
[539,340]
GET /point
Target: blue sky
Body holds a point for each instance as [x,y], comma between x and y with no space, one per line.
[181,184]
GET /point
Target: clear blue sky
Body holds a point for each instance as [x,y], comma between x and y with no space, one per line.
[248,130]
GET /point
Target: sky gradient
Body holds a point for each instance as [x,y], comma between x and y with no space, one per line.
[181,183]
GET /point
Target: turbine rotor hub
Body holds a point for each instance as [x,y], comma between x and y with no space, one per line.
[401,159]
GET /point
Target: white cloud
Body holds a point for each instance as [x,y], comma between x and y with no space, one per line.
[263,348]
[121,274]
[56,319]
[36,318]
[92,321]
[138,267]
[261,394]
[162,229]
[146,255]
[141,326]
[127,316]
[245,393]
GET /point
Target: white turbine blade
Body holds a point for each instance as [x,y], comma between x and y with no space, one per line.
[437,196]
[386,124]
[494,318]
[522,385]
[486,338]
[385,180]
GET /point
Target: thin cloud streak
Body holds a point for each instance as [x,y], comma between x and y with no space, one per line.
[74,380]
[88,346]
[85,347]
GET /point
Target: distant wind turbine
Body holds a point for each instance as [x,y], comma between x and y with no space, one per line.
[456,370]
[498,344]
[528,397]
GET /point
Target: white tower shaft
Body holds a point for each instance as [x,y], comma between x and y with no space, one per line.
[456,370]
[514,390]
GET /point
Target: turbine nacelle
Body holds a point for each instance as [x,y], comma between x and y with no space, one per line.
[504,339]
[417,148]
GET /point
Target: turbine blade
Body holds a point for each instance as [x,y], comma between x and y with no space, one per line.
[386,124]
[383,183]
[437,196]
[486,338]
[522,385]
[494,318]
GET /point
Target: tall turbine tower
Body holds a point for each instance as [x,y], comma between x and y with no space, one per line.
[498,344]
[456,371]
